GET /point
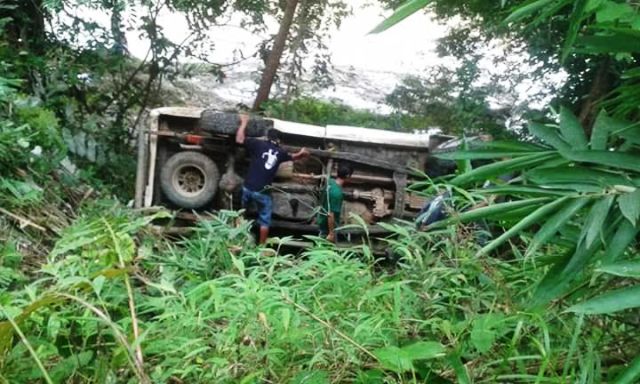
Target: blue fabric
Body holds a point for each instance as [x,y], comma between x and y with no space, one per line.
[433,211]
[265,157]
[263,204]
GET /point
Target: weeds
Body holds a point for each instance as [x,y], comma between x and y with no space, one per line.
[211,308]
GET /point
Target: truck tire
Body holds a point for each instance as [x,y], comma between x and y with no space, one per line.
[227,124]
[189,179]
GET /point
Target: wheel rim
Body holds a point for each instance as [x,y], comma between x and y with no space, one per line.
[189,180]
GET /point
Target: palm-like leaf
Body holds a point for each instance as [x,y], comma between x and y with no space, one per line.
[587,183]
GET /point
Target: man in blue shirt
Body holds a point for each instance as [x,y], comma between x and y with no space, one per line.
[265,157]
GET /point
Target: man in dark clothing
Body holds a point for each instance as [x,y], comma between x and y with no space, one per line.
[265,157]
[331,203]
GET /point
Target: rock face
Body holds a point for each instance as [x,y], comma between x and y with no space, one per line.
[360,89]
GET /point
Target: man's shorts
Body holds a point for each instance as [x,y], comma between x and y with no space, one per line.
[263,204]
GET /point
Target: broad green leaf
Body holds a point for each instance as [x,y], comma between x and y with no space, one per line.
[564,273]
[592,5]
[370,376]
[572,130]
[611,159]
[575,21]
[511,146]
[524,191]
[486,328]
[610,302]
[630,375]
[311,377]
[515,215]
[548,135]
[577,175]
[424,350]
[527,10]
[525,223]
[461,371]
[618,42]
[600,131]
[504,167]
[630,205]
[624,235]
[405,10]
[612,11]
[481,154]
[623,269]
[70,365]
[596,219]
[394,359]
[555,222]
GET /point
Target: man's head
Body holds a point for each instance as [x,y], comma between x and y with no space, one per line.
[345,170]
[273,135]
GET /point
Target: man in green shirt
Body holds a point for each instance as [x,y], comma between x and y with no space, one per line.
[331,203]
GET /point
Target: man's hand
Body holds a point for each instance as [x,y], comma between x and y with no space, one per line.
[302,153]
[240,135]
[331,237]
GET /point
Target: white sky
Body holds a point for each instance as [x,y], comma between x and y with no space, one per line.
[407,47]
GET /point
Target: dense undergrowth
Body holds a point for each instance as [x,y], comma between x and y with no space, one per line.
[114,302]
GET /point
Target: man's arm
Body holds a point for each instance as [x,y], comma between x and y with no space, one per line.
[331,226]
[240,134]
[302,153]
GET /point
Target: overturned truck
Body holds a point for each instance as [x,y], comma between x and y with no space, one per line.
[188,160]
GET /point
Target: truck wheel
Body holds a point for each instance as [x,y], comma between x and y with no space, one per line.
[189,179]
[227,123]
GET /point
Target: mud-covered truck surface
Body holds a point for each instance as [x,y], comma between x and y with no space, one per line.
[188,160]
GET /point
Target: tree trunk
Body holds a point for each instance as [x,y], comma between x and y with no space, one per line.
[273,61]
[599,88]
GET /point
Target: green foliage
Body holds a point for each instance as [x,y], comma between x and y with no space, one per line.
[591,190]
[212,308]
[312,111]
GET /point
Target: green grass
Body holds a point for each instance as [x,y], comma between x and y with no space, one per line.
[208,314]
